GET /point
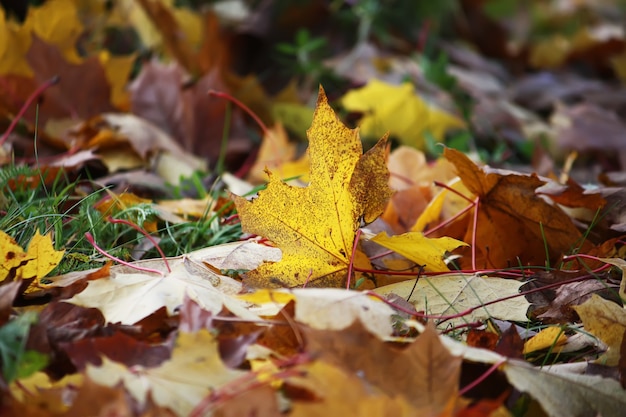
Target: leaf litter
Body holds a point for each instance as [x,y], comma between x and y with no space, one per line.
[227,330]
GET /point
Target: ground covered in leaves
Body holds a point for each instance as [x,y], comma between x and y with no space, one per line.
[340,208]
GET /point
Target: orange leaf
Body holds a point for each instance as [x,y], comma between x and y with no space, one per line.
[513,221]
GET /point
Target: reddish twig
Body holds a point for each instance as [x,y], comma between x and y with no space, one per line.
[481,378]
[147,235]
[43,87]
[128,264]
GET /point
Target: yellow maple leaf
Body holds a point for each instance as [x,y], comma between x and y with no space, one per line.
[399,111]
[315,226]
[37,262]
[12,255]
[420,249]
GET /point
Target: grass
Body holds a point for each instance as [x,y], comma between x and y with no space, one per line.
[63,207]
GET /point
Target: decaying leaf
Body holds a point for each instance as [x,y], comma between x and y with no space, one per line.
[315,226]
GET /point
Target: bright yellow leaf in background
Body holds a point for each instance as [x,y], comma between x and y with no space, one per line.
[315,226]
[398,110]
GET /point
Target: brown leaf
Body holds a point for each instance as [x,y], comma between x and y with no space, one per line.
[258,402]
[160,95]
[424,373]
[513,221]
[8,292]
[82,90]
[118,347]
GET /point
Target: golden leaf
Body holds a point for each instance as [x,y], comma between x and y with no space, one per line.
[420,249]
[315,226]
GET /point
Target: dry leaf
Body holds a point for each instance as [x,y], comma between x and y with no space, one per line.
[424,373]
[341,308]
[509,207]
[566,395]
[180,383]
[607,321]
[315,226]
[453,293]
[344,394]
[35,263]
[128,298]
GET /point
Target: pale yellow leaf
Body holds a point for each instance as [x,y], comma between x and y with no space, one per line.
[340,308]
[566,395]
[607,321]
[129,297]
[450,294]
[180,383]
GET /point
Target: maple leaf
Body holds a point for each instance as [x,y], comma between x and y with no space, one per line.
[315,226]
[180,383]
[344,394]
[341,308]
[513,221]
[35,263]
[128,298]
[425,373]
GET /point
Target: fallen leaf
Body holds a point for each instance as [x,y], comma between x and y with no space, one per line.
[509,207]
[342,308]
[607,321]
[428,252]
[424,373]
[35,263]
[83,89]
[344,394]
[399,111]
[194,370]
[550,337]
[129,297]
[450,294]
[566,394]
[315,226]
